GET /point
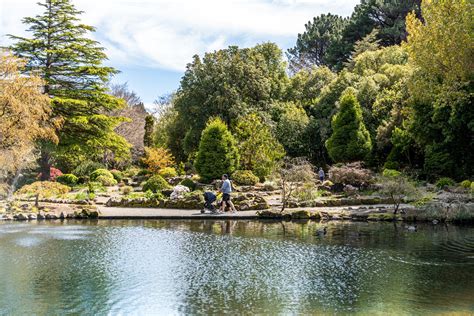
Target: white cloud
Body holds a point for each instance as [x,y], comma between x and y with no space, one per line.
[167,33]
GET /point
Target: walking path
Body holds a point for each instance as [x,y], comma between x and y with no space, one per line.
[161,213]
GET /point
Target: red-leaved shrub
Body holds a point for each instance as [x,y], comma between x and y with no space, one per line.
[351,173]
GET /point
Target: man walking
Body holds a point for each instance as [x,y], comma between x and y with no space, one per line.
[226,189]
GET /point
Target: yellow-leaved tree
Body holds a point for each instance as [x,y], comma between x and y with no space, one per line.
[24,118]
[157,158]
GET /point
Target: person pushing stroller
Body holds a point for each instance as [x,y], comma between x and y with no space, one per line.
[226,190]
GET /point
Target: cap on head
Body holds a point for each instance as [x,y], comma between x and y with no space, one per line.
[225,176]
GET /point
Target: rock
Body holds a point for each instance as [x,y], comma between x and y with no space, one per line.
[61,215]
[435,222]
[179,192]
[269,214]
[167,193]
[20,217]
[300,214]
[189,201]
[51,216]
[350,190]
[25,207]
[32,216]
[6,217]
[40,216]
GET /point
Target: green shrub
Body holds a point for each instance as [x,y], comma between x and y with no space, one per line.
[472,186]
[101,172]
[86,168]
[81,196]
[106,181]
[187,182]
[350,139]
[67,179]
[168,172]
[93,187]
[155,184]
[444,182]
[466,184]
[143,172]
[218,153]
[118,175]
[126,190]
[391,165]
[44,189]
[245,177]
[131,172]
[391,173]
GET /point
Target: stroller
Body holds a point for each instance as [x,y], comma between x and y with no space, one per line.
[209,199]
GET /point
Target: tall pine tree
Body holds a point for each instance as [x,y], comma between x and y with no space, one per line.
[71,65]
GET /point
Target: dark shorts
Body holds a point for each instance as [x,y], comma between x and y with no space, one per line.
[226,198]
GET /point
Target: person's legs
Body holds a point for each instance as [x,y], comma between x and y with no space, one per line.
[230,204]
[224,202]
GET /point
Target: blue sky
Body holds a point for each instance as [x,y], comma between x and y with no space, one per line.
[151,41]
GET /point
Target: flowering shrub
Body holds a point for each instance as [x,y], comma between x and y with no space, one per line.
[53,174]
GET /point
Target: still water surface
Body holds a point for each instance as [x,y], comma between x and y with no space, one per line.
[245,267]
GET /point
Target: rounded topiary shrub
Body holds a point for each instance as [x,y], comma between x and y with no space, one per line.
[218,153]
[466,184]
[155,184]
[101,172]
[118,175]
[189,183]
[168,172]
[350,139]
[106,181]
[67,179]
[86,168]
[444,182]
[245,177]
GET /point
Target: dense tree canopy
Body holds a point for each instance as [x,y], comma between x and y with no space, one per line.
[313,46]
[259,149]
[228,83]
[441,51]
[329,40]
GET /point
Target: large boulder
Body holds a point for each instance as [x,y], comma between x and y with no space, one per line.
[190,201]
[179,192]
[250,201]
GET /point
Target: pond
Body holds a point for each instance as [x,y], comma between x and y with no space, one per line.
[236,267]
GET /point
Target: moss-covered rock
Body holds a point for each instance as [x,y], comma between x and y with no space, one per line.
[302,214]
[384,217]
[270,214]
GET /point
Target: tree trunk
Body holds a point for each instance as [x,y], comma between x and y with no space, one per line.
[45,165]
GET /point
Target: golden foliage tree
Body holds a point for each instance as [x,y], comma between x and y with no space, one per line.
[157,158]
[24,116]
